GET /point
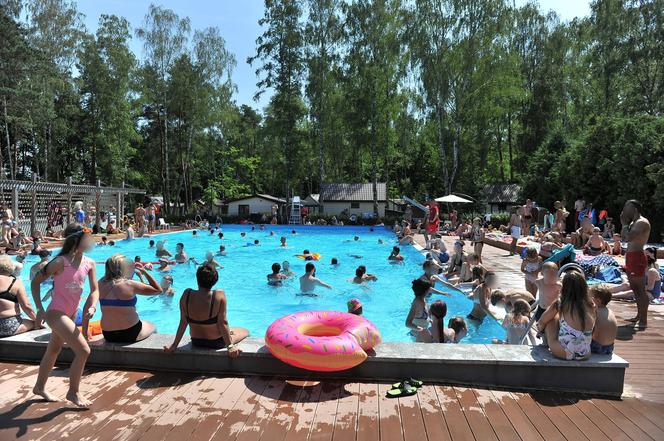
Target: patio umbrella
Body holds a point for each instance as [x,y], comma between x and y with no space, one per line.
[453,199]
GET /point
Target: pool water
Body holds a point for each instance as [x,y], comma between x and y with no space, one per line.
[255,305]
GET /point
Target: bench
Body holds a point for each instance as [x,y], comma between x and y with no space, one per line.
[500,366]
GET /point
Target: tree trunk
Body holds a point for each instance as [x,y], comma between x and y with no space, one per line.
[499,147]
[9,153]
[509,144]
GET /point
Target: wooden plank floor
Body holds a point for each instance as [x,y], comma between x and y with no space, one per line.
[162,406]
[145,406]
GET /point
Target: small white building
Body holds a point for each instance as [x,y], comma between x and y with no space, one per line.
[257,204]
[352,199]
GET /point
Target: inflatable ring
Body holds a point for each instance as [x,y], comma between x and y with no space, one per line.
[312,256]
[324,341]
[146,265]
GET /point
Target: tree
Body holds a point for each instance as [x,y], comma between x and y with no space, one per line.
[165,37]
[280,50]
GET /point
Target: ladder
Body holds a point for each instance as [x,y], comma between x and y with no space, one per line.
[296,206]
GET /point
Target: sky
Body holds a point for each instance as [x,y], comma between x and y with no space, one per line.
[238,23]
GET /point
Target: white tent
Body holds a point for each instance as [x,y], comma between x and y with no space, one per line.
[453,199]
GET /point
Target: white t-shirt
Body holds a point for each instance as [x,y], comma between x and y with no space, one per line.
[579,205]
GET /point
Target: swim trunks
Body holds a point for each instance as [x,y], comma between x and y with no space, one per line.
[636,263]
[516,232]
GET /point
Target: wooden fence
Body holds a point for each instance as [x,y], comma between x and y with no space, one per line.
[36,205]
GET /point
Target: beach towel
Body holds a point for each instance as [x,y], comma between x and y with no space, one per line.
[562,253]
[609,274]
[590,264]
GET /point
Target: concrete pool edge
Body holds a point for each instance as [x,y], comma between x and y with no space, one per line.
[516,367]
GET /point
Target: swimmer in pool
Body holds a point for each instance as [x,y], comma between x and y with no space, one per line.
[163,265]
[220,235]
[151,244]
[276,277]
[209,260]
[285,269]
[361,275]
[395,255]
[167,286]
[243,234]
[309,281]
[334,262]
[180,255]
[283,241]
[355,239]
[222,251]
[161,251]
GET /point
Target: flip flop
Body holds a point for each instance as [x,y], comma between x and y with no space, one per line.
[405,391]
[411,381]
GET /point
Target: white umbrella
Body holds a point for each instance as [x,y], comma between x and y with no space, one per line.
[453,199]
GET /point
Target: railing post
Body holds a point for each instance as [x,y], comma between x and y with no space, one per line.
[98,205]
[69,208]
[33,214]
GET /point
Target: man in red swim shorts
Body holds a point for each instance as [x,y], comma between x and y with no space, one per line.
[432,220]
[636,231]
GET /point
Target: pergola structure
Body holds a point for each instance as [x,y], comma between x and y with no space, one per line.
[37,205]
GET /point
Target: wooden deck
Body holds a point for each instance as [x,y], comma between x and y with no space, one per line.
[145,406]
[162,406]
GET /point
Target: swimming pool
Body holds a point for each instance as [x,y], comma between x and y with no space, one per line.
[255,305]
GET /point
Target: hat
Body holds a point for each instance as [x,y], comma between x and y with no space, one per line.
[354,305]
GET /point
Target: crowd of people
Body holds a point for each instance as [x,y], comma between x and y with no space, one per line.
[557,307]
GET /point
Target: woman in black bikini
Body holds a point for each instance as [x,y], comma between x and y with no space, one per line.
[204,311]
[13,299]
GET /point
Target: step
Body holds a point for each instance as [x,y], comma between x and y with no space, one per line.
[503,366]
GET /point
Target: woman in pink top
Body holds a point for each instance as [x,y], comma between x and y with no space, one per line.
[69,271]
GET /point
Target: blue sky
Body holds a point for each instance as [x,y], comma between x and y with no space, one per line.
[238,22]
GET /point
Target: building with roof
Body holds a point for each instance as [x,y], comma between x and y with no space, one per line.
[500,197]
[352,199]
[251,206]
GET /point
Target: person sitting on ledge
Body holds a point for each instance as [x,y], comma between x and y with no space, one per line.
[568,323]
[204,311]
[13,299]
[120,322]
[606,325]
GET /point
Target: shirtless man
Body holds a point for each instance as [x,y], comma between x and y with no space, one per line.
[309,281]
[139,217]
[636,230]
[151,218]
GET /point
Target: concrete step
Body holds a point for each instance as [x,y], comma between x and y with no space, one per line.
[511,367]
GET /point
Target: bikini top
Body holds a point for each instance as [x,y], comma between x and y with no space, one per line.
[118,302]
[7,294]
[211,320]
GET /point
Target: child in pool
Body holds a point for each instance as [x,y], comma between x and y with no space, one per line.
[395,255]
[531,267]
[595,244]
[516,324]
[417,319]
[276,277]
[481,297]
[459,326]
[606,325]
[285,269]
[437,332]
[283,241]
[222,251]
[354,307]
[167,286]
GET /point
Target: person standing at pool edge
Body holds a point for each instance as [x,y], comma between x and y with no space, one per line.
[69,271]
[432,221]
[636,231]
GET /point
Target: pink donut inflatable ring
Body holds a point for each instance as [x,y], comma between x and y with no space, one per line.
[323,341]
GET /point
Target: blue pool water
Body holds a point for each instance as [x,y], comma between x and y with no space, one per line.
[255,305]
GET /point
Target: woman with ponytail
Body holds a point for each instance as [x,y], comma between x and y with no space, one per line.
[437,332]
[69,270]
